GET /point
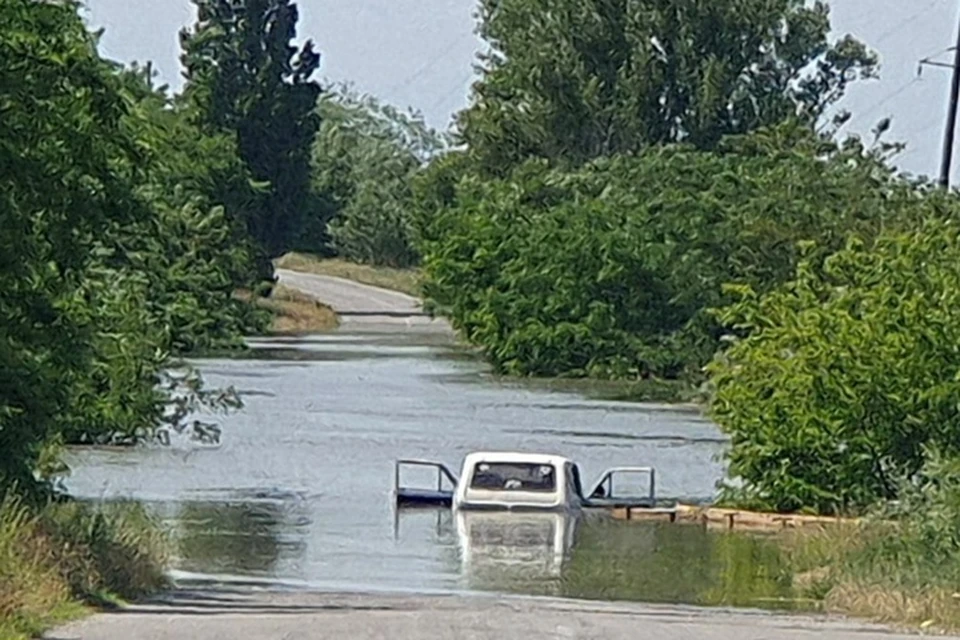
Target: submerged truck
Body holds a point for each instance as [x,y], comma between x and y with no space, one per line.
[520,481]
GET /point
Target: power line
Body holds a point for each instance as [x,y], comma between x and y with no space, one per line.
[450,94]
[426,66]
[903,23]
[890,96]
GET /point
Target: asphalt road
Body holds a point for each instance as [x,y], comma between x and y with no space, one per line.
[288,616]
[363,307]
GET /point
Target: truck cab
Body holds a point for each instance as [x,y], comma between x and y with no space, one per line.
[517,481]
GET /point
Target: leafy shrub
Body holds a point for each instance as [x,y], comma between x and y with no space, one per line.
[847,372]
[64,182]
[608,270]
[116,252]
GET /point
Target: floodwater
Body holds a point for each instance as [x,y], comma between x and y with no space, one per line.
[298,494]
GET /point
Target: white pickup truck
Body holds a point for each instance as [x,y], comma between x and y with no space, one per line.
[518,481]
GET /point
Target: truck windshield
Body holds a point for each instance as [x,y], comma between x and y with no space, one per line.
[514,476]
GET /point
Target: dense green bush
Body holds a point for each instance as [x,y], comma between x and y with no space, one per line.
[124,240]
[608,270]
[60,186]
[846,373]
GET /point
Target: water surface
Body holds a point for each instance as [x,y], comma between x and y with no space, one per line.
[299,492]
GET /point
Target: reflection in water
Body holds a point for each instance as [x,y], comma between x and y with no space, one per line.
[551,554]
[676,564]
[519,549]
[236,538]
[598,558]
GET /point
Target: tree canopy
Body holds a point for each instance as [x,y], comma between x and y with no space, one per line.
[847,375]
[245,76]
[365,159]
[117,251]
[573,81]
[609,270]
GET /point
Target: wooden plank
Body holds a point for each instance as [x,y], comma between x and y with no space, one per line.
[730,519]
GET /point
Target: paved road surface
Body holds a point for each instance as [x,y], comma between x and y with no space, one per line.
[263,616]
[362,307]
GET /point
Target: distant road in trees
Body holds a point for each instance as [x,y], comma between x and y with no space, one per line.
[364,307]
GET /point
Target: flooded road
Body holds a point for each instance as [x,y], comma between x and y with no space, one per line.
[299,492]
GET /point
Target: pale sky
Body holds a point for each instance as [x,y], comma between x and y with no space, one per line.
[420,54]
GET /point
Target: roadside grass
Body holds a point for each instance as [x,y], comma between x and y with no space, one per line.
[896,580]
[293,312]
[297,313]
[407,281]
[872,571]
[60,562]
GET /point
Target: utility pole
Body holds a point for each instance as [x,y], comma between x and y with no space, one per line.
[950,133]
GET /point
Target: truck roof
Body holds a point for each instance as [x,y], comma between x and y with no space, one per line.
[513,456]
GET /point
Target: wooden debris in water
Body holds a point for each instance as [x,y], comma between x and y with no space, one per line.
[729,519]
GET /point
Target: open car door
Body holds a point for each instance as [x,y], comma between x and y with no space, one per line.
[621,479]
[439,494]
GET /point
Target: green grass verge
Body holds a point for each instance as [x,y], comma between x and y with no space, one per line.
[66,559]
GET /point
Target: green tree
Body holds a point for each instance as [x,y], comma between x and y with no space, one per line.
[194,248]
[843,377]
[184,164]
[365,158]
[608,270]
[61,112]
[114,255]
[246,77]
[573,80]
[162,285]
